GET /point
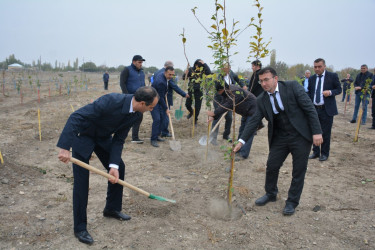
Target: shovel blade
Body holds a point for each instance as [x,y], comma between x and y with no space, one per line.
[178,114]
[203,140]
[175,145]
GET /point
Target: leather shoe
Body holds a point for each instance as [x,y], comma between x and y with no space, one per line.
[353,121]
[115,214]
[313,156]
[160,139]
[84,237]
[323,158]
[373,127]
[189,116]
[289,209]
[167,135]
[154,144]
[264,200]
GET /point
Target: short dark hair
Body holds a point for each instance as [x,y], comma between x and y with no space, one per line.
[257,63]
[268,70]
[169,68]
[146,94]
[320,60]
[364,65]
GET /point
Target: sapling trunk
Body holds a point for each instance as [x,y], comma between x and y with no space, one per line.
[232,154]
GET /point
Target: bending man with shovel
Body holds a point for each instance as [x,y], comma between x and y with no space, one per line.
[244,101]
[102,127]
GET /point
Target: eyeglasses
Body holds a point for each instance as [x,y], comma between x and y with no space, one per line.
[265,80]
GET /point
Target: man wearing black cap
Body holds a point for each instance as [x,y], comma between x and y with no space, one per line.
[131,79]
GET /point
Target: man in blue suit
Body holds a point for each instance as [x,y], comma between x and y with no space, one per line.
[323,88]
[172,86]
[102,127]
[161,83]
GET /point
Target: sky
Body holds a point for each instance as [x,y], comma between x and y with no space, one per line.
[111,32]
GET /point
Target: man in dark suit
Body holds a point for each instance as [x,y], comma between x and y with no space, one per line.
[293,126]
[373,101]
[323,88]
[161,110]
[102,127]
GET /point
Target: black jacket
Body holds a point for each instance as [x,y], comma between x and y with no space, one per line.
[254,86]
[245,107]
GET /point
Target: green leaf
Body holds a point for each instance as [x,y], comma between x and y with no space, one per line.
[214,26]
[183,40]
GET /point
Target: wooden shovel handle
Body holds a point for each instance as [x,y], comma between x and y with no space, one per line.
[108,176]
[170,120]
[218,123]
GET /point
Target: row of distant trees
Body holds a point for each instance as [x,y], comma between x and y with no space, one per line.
[284,71]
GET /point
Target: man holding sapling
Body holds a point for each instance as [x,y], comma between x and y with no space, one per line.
[373,101]
[359,84]
[102,127]
[131,79]
[293,125]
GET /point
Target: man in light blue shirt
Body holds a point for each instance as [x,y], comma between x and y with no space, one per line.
[306,80]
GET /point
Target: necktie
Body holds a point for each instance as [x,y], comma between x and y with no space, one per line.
[276,103]
[317,93]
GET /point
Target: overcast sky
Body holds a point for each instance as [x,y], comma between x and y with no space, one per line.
[110,32]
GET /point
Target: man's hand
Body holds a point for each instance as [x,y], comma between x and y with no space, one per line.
[237,147]
[210,119]
[114,172]
[244,87]
[64,155]
[167,111]
[187,96]
[210,113]
[357,88]
[326,93]
[373,86]
[317,140]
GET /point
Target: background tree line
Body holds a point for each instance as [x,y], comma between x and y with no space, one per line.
[284,71]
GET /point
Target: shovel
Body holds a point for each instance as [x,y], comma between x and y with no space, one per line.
[203,140]
[173,144]
[121,182]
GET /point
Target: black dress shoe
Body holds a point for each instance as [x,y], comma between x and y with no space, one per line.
[189,115]
[264,200]
[154,144]
[167,135]
[160,139]
[84,237]
[323,158]
[289,209]
[313,156]
[373,127]
[115,214]
[353,121]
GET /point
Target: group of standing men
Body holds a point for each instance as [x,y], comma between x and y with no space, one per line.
[297,118]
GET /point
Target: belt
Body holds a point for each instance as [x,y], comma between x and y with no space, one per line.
[319,106]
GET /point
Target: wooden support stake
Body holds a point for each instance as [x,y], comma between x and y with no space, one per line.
[358,125]
[1,158]
[40,129]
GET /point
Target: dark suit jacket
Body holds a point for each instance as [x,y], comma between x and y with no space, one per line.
[95,123]
[297,106]
[161,86]
[331,82]
[244,108]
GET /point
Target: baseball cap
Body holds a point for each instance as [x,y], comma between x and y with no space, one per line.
[138,58]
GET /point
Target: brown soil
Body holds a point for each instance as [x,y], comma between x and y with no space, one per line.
[337,209]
